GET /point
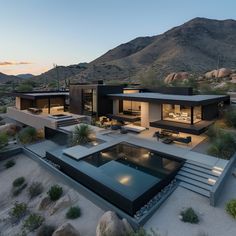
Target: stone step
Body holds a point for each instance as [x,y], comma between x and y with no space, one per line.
[199,173]
[195,189]
[194,182]
[200,169]
[196,177]
[208,167]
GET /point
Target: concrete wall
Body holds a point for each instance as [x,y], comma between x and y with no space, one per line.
[36,121]
[18,103]
[154,112]
[149,112]
[145,114]
[116,106]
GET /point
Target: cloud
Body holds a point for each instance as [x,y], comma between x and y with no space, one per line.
[14,63]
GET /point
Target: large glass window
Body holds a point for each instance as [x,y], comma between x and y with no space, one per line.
[89,101]
[131,108]
[197,114]
[177,113]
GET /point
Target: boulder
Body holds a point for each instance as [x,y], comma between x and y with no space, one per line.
[169,78]
[224,72]
[220,73]
[181,76]
[44,203]
[110,225]
[66,230]
[62,203]
[211,74]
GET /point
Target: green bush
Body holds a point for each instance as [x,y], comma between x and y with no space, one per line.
[230,117]
[223,146]
[55,192]
[81,134]
[231,208]
[18,190]
[35,189]
[9,164]
[73,213]
[189,216]
[33,222]
[18,212]
[27,135]
[46,230]
[3,109]
[18,181]
[3,140]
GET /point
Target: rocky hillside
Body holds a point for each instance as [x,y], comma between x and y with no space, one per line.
[197,46]
[8,78]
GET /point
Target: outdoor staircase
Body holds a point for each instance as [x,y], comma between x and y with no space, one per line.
[67,122]
[198,177]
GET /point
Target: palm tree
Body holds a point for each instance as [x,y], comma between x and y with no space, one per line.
[81,134]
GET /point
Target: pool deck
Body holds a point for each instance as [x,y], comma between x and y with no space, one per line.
[78,152]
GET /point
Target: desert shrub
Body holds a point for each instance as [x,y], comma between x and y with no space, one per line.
[73,213]
[33,222]
[18,212]
[9,164]
[81,134]
[46,230]
[35,189]
[213,131]
[18,190]
[27,135]
[189,216]
[230,117]
[18,181]
[3,109]
[223,146]
[55,192]
[231,208]
[3,140]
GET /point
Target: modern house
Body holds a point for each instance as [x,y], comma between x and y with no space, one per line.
[183,113]
[171,108]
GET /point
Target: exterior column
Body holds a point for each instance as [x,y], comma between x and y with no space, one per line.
[145,114]
[115,107]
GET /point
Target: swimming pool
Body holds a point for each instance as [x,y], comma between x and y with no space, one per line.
[126,175]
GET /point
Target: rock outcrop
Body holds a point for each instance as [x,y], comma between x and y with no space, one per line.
[110,224]
[220,73]
[180,76]
[66,230]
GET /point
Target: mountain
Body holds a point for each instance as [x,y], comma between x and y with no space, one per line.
[8,78]
[25,76]
[61,72]
[197,46]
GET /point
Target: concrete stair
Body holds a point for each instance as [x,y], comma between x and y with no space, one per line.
[197,177]
[67,122]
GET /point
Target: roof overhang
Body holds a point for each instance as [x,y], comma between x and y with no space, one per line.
[38,95]
[189,100]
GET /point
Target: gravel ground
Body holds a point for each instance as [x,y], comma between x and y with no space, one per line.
[214,221]
[32,171]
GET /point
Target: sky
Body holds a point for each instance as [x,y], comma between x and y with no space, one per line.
[35,34]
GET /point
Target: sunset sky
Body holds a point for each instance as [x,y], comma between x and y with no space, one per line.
[37,33]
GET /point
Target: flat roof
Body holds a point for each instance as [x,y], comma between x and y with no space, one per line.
[34,95]
[180,99]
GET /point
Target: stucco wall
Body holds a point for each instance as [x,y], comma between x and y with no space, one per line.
[154,112]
